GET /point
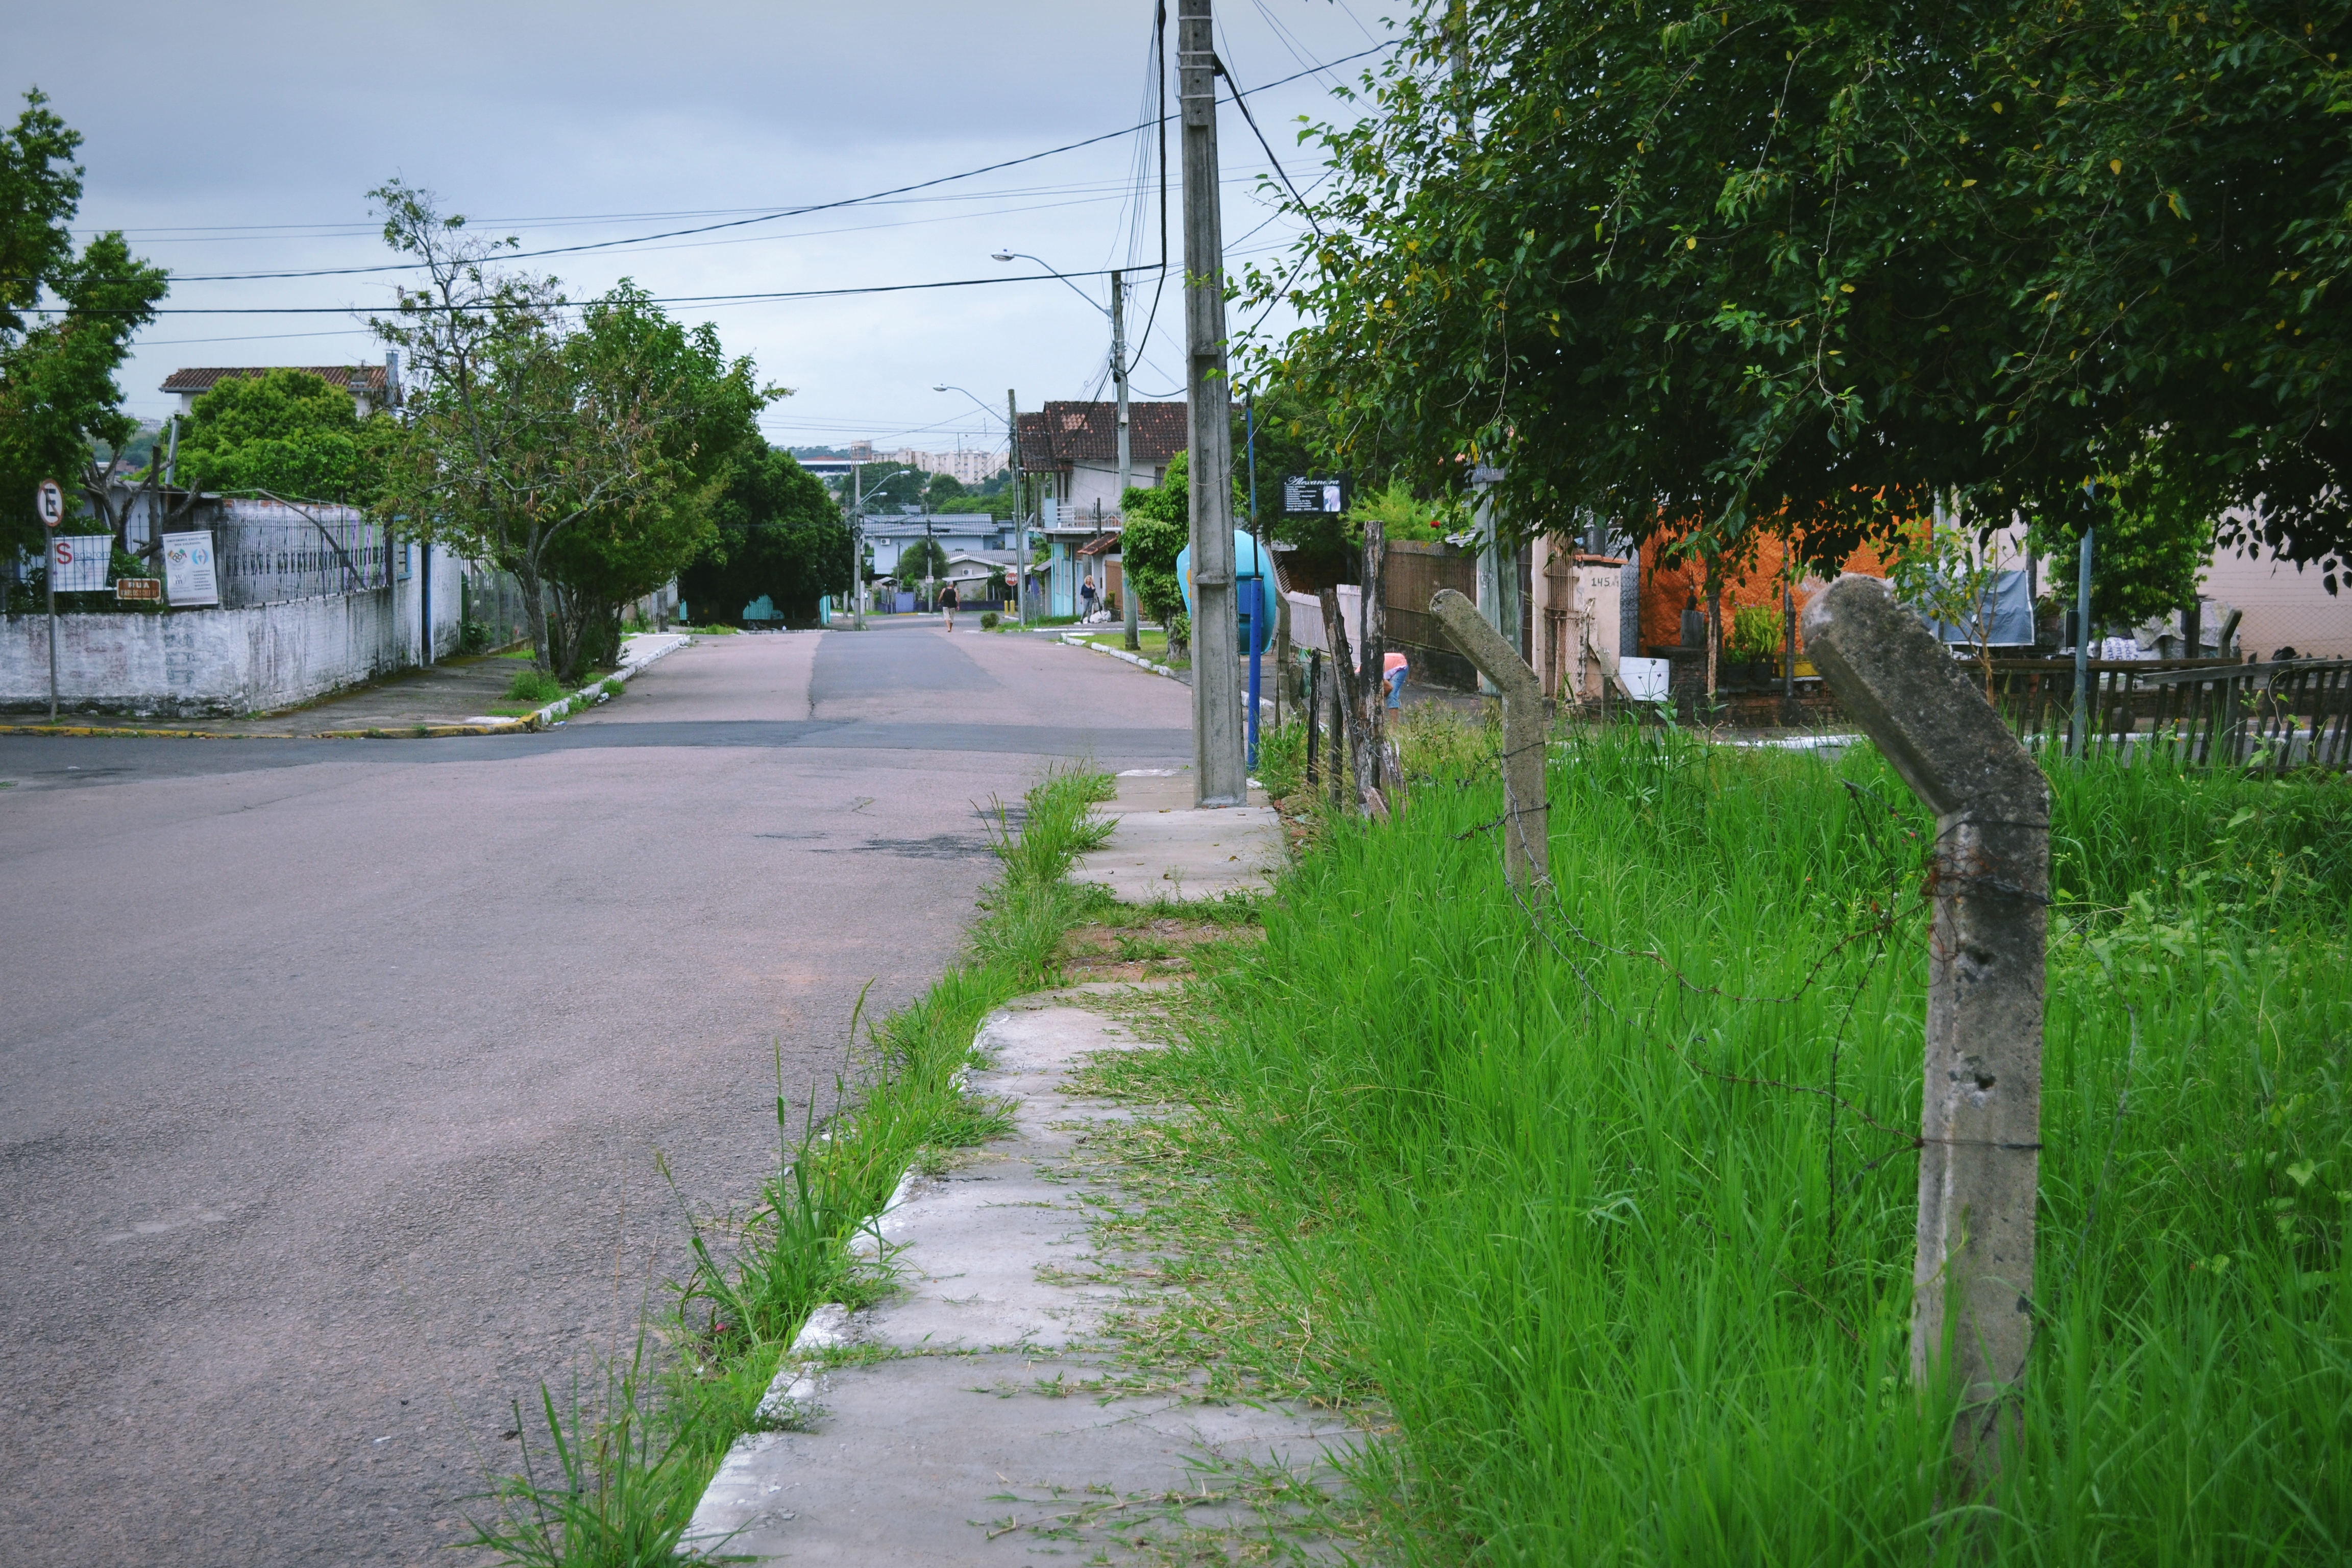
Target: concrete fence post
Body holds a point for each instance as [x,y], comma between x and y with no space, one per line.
[1526,815]
[1980,1120]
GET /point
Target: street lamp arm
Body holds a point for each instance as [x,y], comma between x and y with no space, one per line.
[984,409]
[1024,256]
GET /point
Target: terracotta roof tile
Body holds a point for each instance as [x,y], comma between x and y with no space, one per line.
[205,378]
[1061,434]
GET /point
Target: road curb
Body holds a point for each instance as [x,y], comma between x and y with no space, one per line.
[594,694]
[1136,659]
[555,713]
[85,730]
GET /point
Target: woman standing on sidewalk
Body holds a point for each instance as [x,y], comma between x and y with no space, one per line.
[948,603]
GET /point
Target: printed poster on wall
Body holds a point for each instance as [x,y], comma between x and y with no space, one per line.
[78,562]
[188,576]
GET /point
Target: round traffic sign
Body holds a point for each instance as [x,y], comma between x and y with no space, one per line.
[51,498]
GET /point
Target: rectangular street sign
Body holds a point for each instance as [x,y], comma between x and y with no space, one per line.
[188,574]
[79,562]
[1304,497]
[138,587]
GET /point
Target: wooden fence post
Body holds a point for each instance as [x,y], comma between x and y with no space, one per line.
[1973,1278]
[1526,832]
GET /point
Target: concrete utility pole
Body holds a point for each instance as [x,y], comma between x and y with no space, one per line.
[1980,1121]
[1219,776]
[1133,640]
[1020,505]
[857,545]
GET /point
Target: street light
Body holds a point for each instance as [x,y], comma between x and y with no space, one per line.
[858,544]
[1117,314]
[1020,526]
[1024,256]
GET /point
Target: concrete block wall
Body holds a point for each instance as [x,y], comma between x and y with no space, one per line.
[193,662]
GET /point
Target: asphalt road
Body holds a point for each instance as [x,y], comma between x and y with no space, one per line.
[335,1071]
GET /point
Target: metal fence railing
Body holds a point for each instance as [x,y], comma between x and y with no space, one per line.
[272,552]
[2198,712]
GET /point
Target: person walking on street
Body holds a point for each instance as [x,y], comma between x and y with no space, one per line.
[948,603]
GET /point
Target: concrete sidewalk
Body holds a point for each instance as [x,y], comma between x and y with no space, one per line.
[1165,849]
[982,1415]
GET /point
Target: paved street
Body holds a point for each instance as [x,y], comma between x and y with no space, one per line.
[335,1071]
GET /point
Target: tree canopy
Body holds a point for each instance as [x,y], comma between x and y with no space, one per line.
[1807,267]
[576,447]
[779,533]
[66,322]
[291,433]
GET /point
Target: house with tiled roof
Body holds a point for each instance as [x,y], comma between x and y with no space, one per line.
[1074,448]
[367,383]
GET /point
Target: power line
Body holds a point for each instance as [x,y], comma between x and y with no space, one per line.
[671,299]
[739,223]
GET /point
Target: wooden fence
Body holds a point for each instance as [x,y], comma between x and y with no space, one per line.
[2194,712]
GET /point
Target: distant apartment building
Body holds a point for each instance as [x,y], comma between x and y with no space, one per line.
[965,467]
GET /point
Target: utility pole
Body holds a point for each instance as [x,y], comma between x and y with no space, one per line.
[1134,641]
[857,545]
[1219,776]
[1020,505]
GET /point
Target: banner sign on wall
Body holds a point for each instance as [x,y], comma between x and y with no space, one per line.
[188,576]
[79,562]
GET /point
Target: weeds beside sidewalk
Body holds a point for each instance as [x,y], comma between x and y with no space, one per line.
[611,1472]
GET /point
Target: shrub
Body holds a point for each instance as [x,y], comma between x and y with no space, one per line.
[534,685]
[1757,633]
[987,620]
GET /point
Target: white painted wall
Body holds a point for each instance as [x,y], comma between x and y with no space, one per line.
[184,663]
[2285,606]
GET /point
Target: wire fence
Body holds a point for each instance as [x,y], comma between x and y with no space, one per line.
[2196,713]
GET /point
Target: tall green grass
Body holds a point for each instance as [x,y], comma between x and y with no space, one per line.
[1571,1199]
[611,1473]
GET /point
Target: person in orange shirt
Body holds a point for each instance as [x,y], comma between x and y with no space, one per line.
[1393,670]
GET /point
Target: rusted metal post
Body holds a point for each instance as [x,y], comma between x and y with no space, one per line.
[1526,836]
[1980,1120]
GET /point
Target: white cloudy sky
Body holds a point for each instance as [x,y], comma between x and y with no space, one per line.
[242,137]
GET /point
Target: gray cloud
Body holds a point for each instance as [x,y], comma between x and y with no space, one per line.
[243,138]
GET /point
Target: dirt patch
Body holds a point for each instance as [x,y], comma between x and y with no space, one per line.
[1144,950]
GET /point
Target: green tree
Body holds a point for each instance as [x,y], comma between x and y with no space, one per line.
[779,533]
[884,486]
[922,561]
[620,553]
[531,419]
[1157,526]
[290,433]
[1796,267]
[66,323]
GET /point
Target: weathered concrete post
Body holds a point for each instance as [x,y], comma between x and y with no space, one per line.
[1526,816]
[1980,1123]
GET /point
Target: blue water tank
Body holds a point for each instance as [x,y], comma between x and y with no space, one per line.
[1249,563]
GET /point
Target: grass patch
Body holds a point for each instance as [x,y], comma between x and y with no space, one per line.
[534,688]
[611,1472]
[1554,1221]
[1154,644]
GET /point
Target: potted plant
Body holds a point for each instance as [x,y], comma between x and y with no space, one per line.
[1756,645]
